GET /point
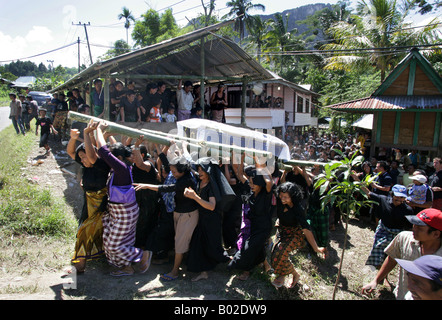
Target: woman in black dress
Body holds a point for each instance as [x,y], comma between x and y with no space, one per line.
[259,199]
[206,249]
[144,171]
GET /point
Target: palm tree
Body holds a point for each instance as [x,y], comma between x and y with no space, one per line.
[127,15]
[257,37]
[281,39]
[378,28]
[241,9]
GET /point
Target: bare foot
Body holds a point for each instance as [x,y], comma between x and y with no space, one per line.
[80,265]
[244,276]
[145,261]
[295,279]
[202,276]
[278,282]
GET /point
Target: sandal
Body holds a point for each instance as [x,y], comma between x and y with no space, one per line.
[166,277]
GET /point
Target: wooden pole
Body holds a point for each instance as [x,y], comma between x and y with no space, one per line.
[165,139]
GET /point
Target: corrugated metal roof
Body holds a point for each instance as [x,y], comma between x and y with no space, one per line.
[371,104]
[180,56]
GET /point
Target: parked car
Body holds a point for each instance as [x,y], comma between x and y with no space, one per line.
[39,96]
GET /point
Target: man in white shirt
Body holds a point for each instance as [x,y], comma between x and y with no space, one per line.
[184,100]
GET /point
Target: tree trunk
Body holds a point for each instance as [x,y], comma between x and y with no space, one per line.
[343,251]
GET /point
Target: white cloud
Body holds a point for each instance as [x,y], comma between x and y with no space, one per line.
[40,35]
[11,47]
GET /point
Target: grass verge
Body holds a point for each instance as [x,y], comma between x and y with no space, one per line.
[25,209]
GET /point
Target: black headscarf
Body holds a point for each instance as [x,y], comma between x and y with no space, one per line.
[222,190]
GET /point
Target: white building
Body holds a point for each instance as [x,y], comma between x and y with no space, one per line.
[294,109]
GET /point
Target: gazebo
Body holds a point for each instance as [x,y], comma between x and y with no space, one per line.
[199,56]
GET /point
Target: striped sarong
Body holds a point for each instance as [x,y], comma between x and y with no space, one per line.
[382,238]
[119,225]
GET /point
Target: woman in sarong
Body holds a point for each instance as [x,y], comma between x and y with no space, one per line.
[60,116]
[206,250]
[292,231]
[89,243]
[120,219]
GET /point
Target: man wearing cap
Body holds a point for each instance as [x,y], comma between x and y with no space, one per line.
[391,212]
[420,195]
[425,239]
[436,183]
[424,277]
[15,114]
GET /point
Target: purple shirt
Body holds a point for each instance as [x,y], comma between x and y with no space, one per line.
[122,172]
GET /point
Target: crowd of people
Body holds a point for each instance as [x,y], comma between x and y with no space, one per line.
[144,201]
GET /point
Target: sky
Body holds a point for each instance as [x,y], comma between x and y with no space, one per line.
[41,28]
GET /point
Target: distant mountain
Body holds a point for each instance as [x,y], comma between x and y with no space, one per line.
[297,14]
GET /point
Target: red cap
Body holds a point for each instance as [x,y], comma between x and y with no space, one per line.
[430,216]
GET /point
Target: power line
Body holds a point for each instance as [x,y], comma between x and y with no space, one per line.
[40,54]
[355,50]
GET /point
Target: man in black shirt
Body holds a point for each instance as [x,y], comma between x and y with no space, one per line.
[46,126]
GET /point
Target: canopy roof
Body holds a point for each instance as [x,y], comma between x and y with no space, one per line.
[178,58]
[389,103]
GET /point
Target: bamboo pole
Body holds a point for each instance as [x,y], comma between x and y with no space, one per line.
[165,139]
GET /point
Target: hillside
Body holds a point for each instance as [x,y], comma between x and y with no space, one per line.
[298,14]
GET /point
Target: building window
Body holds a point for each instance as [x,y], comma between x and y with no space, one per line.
[300,104]
[307,105]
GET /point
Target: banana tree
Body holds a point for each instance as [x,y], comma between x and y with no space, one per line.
[336,187]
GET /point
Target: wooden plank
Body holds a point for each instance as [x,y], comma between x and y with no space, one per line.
[379,127]
[437,131]
[411,77]
[407,128]
[417,120]
[397,127]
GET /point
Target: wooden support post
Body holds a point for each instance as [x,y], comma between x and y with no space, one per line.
[243,102]
[203,73]
[106,83]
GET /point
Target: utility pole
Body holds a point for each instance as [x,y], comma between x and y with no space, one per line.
[87,38]
[78,42]
[52,64]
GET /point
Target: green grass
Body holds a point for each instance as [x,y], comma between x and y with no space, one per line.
[24,208]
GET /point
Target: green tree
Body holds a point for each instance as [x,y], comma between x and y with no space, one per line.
[147,30]
[257,38]
[379,27]
[280,40]
[168,26]
[155,28]
[337,188]
[120,47]
[241,9]
[127,15]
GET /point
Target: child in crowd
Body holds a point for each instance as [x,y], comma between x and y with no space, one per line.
[155,111]
[46,126]
[418,192]
[170,115]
